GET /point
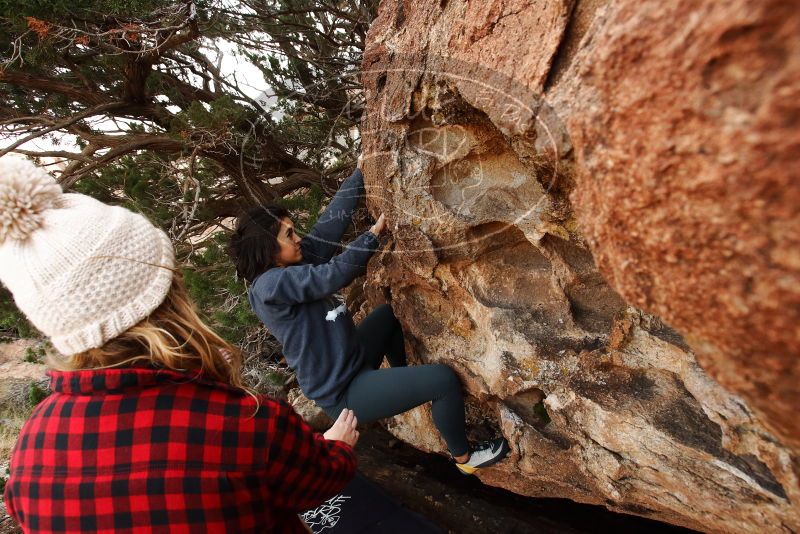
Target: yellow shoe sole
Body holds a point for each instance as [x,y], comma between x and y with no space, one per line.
[466,469]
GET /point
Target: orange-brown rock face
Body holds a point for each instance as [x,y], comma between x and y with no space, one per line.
[513,143]
[699,166]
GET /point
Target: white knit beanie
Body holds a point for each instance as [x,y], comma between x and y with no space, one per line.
[82,272]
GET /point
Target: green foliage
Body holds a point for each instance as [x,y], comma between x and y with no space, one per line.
[221,114]
[540,410]
[13,324]
[19,16]
[36,394]
[136,182]
[304,207]
[58,9]
[220,297]
[275,379]
[34,355]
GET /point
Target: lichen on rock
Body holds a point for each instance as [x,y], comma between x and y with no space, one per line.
[583,198]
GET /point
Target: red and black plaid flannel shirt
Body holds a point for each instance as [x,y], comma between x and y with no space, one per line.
[147,450]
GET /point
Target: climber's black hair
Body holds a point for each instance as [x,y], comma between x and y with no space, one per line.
[254,244]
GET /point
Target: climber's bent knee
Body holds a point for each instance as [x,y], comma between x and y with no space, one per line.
[445,378]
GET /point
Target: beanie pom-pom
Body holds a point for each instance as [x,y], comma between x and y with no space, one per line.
[25,192]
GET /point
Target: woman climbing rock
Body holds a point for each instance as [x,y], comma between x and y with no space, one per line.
[149,426]
[293,282]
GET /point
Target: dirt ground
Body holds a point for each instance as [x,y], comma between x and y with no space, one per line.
[13,364]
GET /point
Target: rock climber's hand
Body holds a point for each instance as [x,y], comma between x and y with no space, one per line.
[379,225]
[360,161]
[344,429]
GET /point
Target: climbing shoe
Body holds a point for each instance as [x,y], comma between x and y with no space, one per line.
[484,454]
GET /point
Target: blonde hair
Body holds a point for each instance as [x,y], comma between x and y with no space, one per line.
[172,337]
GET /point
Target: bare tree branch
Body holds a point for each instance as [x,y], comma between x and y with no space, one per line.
[127,146]
[96,110]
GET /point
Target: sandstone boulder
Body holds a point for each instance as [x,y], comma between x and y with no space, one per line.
[592,221]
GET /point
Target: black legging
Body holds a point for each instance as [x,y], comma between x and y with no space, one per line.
[377,393]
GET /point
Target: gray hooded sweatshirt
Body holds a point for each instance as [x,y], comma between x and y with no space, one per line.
[298,305]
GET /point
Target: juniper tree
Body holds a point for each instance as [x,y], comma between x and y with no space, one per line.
[127,101]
